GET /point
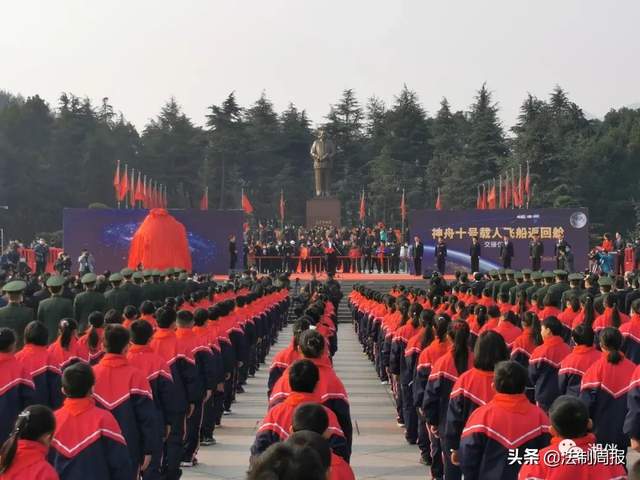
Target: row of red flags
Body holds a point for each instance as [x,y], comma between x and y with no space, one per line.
[149,193]
[246,204]
[507,192]
[403,206]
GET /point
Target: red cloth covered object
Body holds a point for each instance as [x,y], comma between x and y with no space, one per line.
[160,243]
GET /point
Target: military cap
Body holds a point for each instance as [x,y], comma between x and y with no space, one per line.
[548,274]
[156,273]
[138,275]
[89,278]
[55,281]
[16,286]
[559,272]
[169,271]
[576,277]
[526,271]
[116,277]
[126,272]
[493,273]
[508,271]
[183,276]
[502,271]
[536,276]
[518,275]
[605,281]
[147,273]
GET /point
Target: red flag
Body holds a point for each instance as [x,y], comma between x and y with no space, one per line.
[363,209]
[485,203]
[282,205]
[438,202]
[507,193]
[501,193]
[154,195]
[246,204]
[515,187]
[165,202]
[527,186]
[478,201]
[491,198]
[139,196]
[403,206]
[145,198]
[132,189]
[116,180]
[204,201]
[124,185]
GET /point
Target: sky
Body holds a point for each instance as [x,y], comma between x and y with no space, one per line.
[139,53]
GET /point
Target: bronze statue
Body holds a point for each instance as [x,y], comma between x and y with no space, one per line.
[322,151]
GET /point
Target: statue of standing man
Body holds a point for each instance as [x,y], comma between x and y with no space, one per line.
[322,151]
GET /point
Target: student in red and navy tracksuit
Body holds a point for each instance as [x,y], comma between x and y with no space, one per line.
[604,390]
[276,425]
[66,350]
[187,387]
[205,368]
[288,355]
[508,328]
[24,455]
[545,363]
[226,354]
[404,375]
[37,360]
[214,369]
[529,339]
[92,338]
[124,390]
[631,334]
[17,390]
[474,388]
[574,365]
[313,418]
[570,429]
[329,388]
[88,442]
[157,372]
[508,421]
[444,374]
[632,420]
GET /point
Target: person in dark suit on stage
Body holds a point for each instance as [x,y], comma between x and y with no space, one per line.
[441,255]
[559,248]
[506,251]
[474,254]
[418,253]
[536,251]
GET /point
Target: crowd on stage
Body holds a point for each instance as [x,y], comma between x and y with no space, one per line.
[369,249]
[518,375]
[127,377]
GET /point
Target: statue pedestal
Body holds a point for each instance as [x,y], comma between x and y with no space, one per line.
[323,211]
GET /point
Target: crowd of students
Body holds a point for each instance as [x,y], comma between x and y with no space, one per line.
[308,404]
[137,393]
[511,378]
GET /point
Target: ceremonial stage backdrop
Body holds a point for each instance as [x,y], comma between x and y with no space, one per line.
[107,234]
[458,226]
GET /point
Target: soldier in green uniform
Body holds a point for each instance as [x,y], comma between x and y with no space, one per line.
[548,279]
[493,275]
[560,286]
[169,283]
[181,282]
[147,286]
[497,285]
[519,286]
[117,298]
[606,284]
[574,291]
[88,301]
[160,291]
[54,308]
[15,315]
[506,286]
[135,291]
[536,277]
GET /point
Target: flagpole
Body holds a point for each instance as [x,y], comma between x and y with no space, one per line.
[528,186]
[282,210]
[402,214]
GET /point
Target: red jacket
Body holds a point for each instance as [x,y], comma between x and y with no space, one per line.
[508,331]
[16,392]
[276,425]
[45,373]
[544,364]
[598,471]
[88,443]
[506,422]
[573,366]
[340,469]
[523,347]
[65,357]
[30,463]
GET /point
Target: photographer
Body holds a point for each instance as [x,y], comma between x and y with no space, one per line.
[86,262]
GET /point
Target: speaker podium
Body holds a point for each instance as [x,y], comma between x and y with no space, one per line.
[323,212]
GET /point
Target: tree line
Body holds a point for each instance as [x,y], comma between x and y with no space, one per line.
[59,156]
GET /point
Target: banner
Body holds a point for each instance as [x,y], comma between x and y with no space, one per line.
[457,227]
[107,234]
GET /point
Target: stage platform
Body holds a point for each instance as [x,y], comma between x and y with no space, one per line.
[351,277]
